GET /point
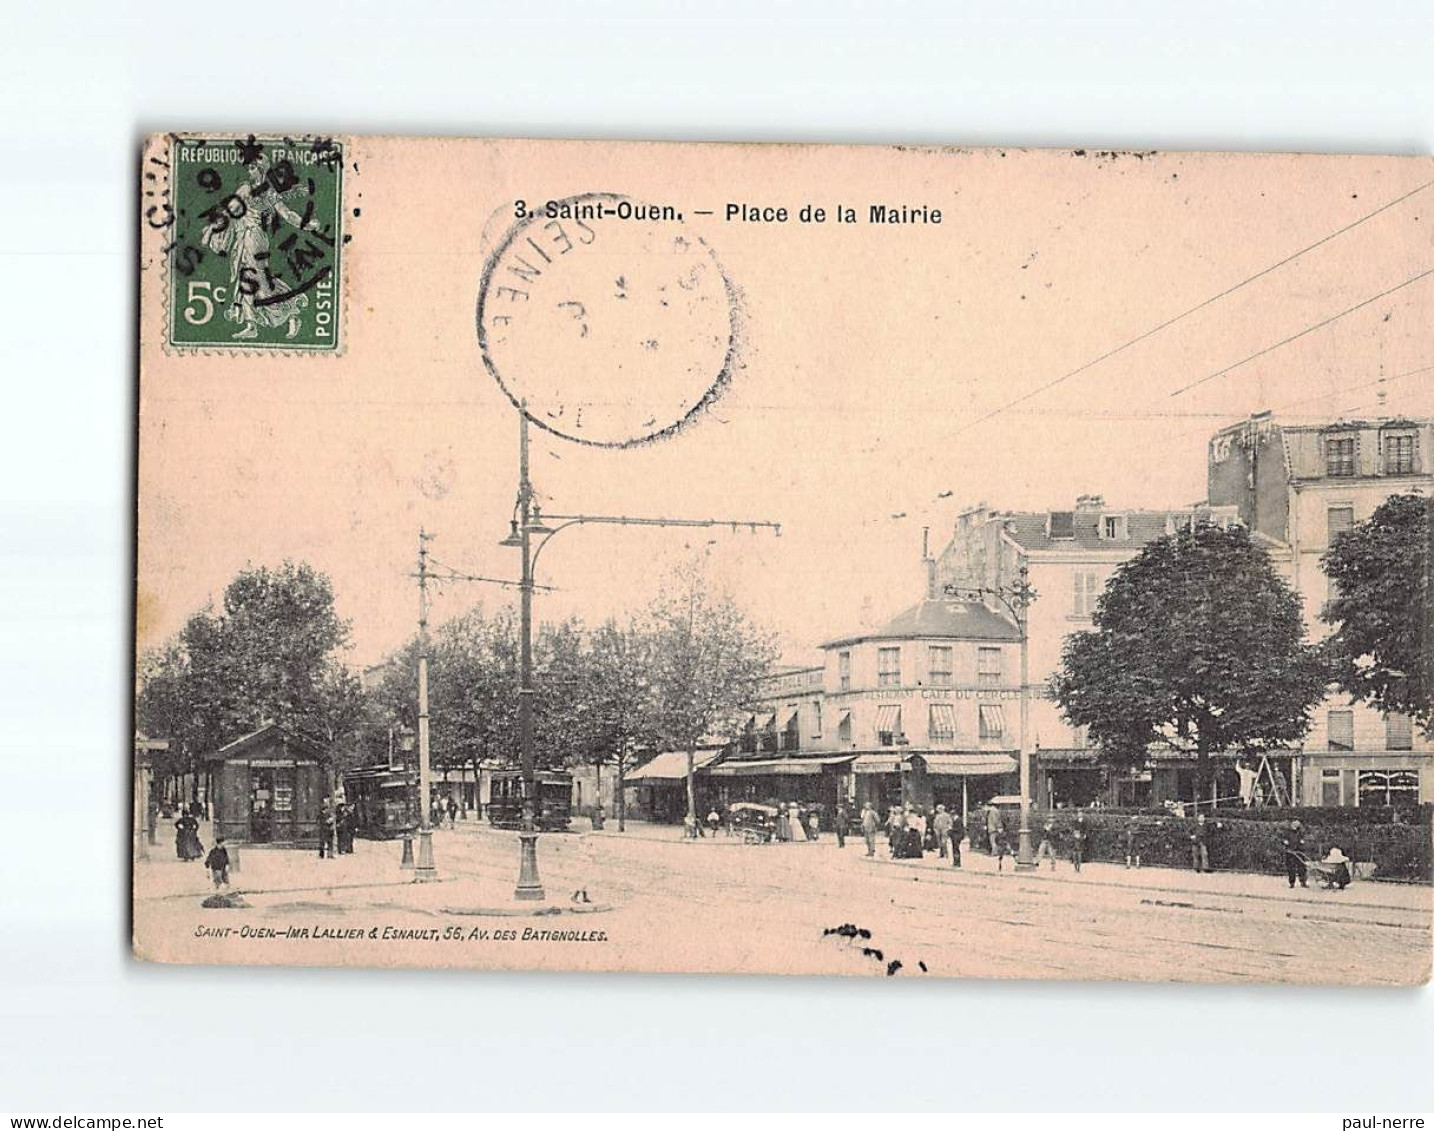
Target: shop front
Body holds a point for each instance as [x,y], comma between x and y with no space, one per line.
[815,781]
[959,780]
[269,788]
[657,790]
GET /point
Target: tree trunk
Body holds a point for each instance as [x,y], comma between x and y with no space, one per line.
[1202,775]
[621,798]
[691,781]
[597,786]
[477,792]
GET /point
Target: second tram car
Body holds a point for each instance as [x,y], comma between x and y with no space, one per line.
[554,801]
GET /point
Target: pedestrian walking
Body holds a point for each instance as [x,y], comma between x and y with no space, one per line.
[814,825]
[713,820]
[941,826]
[841,825]
[869,826]
[1132,845]
[326,831]
[957,834]
[1200,845]
[347,824]
[1047,848]
[1080,836]
[993,826]
[895,829]
[1294,845]
[186,837]
[999,848]
[452,812]
[218,863]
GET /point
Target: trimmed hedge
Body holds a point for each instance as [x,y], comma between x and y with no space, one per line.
[1245,843]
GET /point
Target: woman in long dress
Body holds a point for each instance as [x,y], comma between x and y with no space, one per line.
[186,838]
[253,285]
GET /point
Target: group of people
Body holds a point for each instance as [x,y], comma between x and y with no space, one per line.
[188,846]
[337,825]
[439,808]
[911,832]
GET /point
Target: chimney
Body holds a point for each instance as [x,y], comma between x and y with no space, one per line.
[1090,502]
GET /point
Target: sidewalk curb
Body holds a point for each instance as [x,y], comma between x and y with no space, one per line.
[1165,890]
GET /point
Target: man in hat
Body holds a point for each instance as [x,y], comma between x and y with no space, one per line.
[869,824]
[941,825]
[1294,844]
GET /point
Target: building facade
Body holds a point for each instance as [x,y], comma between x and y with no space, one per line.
[1301,486]
[1067,556]
[923,710]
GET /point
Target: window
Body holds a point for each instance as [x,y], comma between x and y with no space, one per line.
[1339,456]
[942,722]
[1331,788]
[791,732]
[1389,787]
[988,665]
[939,660]
[1061,525]
[888,667]
[1114,528]
[1399,455]
[1083,592]
[1341,730]
[844,670]
[817,714]
[844,728]
[1338,519]
[1398,731]
[993,722]
[888,724]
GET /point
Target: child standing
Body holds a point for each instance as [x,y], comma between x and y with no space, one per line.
[218,863]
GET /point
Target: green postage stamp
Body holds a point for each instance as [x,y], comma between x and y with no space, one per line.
[256,243]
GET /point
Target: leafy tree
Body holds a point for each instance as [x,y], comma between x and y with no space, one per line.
[271,654]
[707,659]
[1380,649]
[619,701]
[1196,642]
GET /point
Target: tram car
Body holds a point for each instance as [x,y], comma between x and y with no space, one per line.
[383,800]
[552,811]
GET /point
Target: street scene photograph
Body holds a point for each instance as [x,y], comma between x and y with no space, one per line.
[864,561]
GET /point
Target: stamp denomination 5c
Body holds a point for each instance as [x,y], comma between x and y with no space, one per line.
[255,243]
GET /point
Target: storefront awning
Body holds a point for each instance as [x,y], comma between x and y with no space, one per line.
[781,766]
[969,764]
[1067,756]
[763,721]
[671,765]
[788,715]
[877,763]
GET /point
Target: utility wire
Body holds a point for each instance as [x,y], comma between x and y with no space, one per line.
[1307,330]
[1194,309]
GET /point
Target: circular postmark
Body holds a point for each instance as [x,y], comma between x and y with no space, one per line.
[607,319]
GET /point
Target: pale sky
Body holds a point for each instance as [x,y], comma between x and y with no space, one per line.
[867,357]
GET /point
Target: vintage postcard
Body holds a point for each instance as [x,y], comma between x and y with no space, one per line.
[829,560]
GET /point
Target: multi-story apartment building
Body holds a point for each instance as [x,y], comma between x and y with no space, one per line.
[1067,556]
[1300,486]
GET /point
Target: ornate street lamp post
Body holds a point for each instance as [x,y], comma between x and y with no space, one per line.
[527,523]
